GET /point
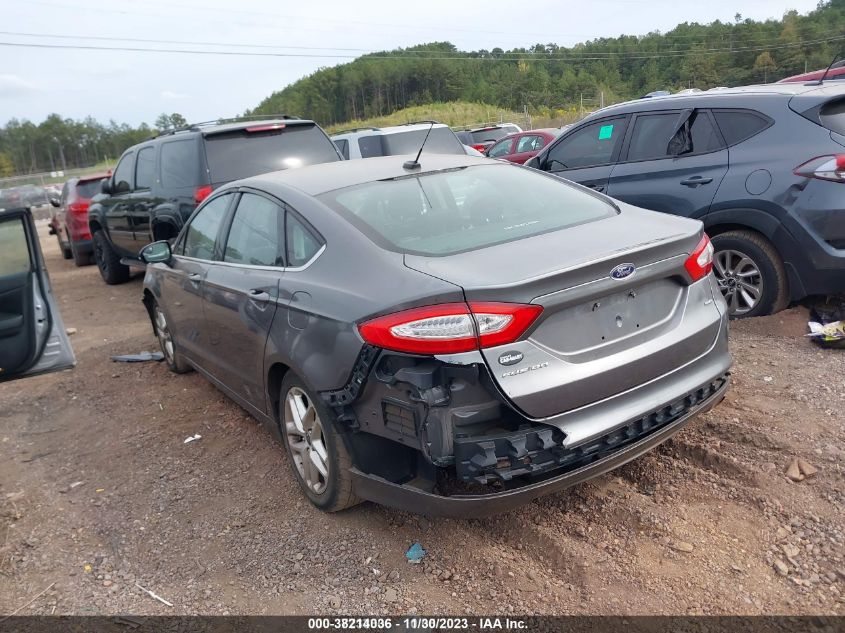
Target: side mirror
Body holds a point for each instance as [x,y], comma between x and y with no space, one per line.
[533,162]
[105,186]
[157,252]
[55,202]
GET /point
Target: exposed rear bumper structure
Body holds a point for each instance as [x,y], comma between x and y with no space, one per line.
[540,455]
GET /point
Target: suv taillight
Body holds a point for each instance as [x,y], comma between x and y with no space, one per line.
[700,263]
[77,208]
[831,167]
[201,193]
[450,328]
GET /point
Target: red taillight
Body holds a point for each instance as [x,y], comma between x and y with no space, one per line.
[201,193]
[77,208]
[479,146]
[450,328]
[831,167]
[700,263]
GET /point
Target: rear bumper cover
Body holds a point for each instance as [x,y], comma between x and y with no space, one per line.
[580,464]
[83,246]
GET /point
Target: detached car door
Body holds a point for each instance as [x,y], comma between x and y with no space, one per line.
[32,334]
[672,162]
[587,153]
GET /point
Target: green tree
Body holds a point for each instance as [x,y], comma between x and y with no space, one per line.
[765,63]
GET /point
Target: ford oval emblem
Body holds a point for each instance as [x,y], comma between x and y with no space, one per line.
[622,271]
[510,358]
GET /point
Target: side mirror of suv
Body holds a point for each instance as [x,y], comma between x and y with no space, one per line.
[157,252]
[105,186]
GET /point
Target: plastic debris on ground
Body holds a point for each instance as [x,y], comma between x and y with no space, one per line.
[827,323]
[415,553]
[192,438]
[142,357]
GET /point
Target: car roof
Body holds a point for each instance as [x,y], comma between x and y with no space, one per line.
[723,95]
[323,177]
[90,177]
[390,129]
[208,129]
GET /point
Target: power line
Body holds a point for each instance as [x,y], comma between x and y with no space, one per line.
[446,56]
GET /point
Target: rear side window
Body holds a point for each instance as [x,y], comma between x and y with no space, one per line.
[530,143]
[302,243]
[591,145]
[652,133]
[832,116]
[453,211]
[254,236]
[204,227]
[145,168]
[241,154]
[740,125]
[179,164]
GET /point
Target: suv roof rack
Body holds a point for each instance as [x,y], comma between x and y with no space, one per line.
[195,127]
[355,129]
[421,122]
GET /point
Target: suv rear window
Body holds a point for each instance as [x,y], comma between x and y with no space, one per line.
[832,116]
[240,154]
[442,140]
[740,125]
[88,188]
[493,134]
[464,209]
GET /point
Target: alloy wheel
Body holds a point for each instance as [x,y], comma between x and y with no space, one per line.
[739,279]
[304,435]
[163,334]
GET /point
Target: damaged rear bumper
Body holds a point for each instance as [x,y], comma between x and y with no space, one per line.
[578,464]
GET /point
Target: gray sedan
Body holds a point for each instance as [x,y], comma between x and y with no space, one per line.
[453,338]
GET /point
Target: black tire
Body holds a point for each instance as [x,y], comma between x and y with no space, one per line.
[112,271]
[65,249]
[771,282]
[174,359]
[80,259]
[337,493]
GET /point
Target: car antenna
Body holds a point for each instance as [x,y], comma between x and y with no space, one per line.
[827,70]
[415,164]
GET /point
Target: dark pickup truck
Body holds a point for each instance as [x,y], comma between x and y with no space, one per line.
[157,184]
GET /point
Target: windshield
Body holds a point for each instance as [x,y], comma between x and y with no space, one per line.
[453,211]
[241,154]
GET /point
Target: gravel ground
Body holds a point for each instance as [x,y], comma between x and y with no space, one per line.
[99,494]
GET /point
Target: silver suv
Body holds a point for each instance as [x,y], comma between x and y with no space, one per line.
[397,140]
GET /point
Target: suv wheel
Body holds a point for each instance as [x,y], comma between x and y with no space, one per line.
[172,357]
[316,452]
[750,274]
[112,271]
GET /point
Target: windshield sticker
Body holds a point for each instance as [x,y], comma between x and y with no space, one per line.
[605,132]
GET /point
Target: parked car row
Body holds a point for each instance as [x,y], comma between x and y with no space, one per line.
[22,195]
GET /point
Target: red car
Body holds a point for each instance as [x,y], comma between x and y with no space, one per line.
[518,148]
[70,219]
[837,71]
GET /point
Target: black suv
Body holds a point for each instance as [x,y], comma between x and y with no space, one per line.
[761,166]
[158,183]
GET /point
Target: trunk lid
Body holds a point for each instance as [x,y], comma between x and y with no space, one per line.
[598,335]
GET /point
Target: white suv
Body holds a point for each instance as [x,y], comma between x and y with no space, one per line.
[397,140]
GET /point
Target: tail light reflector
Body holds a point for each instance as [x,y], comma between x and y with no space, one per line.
[450,328]
[77,208]
[201,193]
[831,167]
[700,263]
[479,146]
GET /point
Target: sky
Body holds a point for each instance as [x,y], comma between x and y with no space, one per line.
[136,86]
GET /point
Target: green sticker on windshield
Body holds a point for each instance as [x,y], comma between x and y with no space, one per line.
[605,132]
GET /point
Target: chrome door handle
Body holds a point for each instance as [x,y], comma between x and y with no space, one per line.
[195,278]
[695,181]
[261,296]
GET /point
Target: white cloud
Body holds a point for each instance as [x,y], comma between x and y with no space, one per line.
[14,86]
[168,95]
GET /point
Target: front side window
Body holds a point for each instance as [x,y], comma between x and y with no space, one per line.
[145,168]
[589,146]
[204,227]
[123,174]
[501,148]
[457,210]
[255,232]
[302,243]
[529,143]
[652,134]
[14,250]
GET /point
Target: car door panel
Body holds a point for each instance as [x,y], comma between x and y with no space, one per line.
[683,185]
[117,207]
[32,334]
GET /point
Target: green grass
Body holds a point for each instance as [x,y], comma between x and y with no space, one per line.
[454,114]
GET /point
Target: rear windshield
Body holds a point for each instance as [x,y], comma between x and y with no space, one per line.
[442,140]
[464,209]
[493,134]
[88,188]
[832,116]
[241,154]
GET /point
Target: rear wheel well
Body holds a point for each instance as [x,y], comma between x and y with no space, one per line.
[718,229]
[274,384]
